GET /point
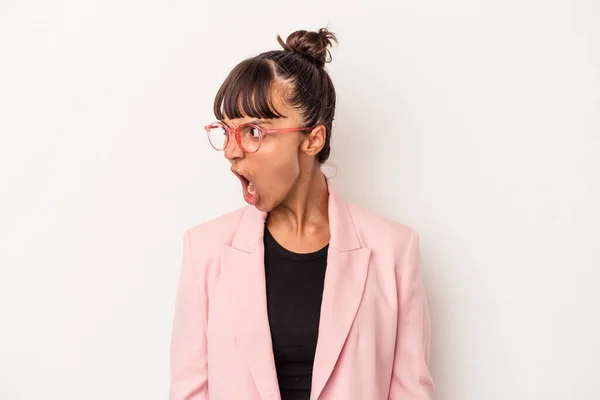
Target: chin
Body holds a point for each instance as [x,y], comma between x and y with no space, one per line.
[262,207]
[265,206]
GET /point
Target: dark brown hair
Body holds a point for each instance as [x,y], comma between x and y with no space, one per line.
[247,91]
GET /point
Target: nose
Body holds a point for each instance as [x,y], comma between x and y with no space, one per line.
[233,150]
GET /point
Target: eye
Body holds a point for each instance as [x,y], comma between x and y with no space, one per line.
[254,133]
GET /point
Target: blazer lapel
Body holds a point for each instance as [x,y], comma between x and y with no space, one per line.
[243,264]
[345,277]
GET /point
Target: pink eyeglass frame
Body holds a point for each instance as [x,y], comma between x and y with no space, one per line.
[236,132]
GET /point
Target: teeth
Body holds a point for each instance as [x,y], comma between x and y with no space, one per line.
[251,188]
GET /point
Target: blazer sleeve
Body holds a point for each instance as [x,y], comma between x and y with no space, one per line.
[411,379]
[189,365]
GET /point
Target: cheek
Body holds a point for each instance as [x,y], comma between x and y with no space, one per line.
[280,168]
[281,158]
[281,172]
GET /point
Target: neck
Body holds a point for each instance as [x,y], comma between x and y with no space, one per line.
[306,206]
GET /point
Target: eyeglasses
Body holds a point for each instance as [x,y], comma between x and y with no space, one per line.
[248,136]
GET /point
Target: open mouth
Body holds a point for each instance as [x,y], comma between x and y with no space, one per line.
[248,188]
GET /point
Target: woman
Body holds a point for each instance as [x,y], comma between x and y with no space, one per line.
[300,294]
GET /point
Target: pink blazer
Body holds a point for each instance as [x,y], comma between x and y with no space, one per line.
[373,341]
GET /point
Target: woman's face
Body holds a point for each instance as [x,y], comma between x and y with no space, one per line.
[268,176]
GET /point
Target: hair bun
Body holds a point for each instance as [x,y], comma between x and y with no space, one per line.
[314,45]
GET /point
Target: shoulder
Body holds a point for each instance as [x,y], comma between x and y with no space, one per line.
[377,231]
[212,233]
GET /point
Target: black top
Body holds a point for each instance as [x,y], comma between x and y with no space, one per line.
[294,293]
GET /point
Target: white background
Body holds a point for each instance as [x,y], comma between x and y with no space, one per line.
[475,122]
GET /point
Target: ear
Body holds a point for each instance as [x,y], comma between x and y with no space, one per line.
[314,141]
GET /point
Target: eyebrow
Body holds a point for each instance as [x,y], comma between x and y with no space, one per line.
[253,122]
[258,122]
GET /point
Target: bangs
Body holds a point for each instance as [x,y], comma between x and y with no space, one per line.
[247,92]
